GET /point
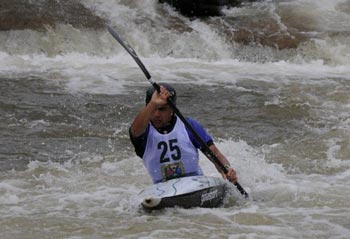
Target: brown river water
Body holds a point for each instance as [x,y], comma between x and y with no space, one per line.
[269,80]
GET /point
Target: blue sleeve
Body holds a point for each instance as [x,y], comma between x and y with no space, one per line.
[201,132]
[139,142]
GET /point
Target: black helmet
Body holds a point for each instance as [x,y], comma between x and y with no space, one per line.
[151,90]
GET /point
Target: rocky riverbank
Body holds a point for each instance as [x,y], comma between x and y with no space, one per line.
[40,14]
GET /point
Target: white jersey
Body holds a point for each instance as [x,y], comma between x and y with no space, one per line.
[170,155]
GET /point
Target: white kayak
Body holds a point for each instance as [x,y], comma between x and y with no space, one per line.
[186,192]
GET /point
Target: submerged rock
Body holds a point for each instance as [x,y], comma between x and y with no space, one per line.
[40,14]
[260,30]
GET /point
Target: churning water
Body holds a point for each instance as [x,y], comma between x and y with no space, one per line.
[270,81]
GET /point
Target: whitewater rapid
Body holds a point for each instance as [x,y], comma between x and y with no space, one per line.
[281,116]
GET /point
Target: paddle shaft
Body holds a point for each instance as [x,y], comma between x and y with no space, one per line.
[205,148]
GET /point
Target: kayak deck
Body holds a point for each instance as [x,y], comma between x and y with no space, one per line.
[186,192]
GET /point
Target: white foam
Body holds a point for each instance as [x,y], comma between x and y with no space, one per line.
[9,193]
[114,75]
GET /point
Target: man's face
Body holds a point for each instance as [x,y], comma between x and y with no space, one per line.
[161,116]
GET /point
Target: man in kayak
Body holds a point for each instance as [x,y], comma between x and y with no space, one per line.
[162,140]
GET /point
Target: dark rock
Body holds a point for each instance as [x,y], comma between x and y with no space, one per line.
[201,8]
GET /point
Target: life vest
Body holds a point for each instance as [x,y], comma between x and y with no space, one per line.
[170,155]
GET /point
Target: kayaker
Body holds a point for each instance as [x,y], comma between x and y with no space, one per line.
[161,139]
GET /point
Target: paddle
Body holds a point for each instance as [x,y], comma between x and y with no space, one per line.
[205,148]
